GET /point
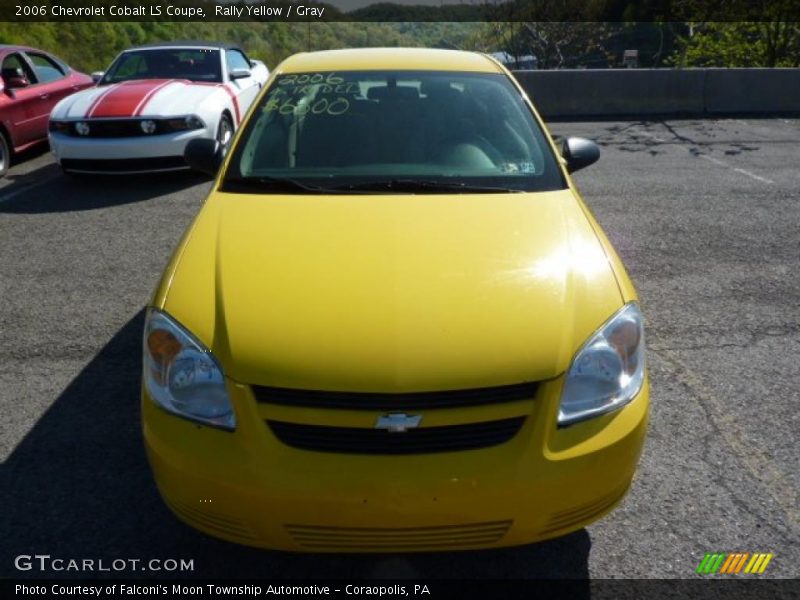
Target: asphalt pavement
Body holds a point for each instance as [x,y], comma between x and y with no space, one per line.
[706,217]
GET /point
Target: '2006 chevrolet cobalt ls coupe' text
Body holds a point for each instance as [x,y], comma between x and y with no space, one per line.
[394,325]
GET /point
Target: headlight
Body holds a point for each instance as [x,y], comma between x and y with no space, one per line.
[182,376]
[193,122]
[608,371]
[59,126]
[184,123]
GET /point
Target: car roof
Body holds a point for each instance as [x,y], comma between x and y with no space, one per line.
[13,47]
[187,44]
[375,59]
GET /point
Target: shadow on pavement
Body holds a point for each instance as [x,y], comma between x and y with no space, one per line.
[33,152]
[79,487]
[652,135]
[47,190]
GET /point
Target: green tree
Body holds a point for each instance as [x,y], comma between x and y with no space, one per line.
[90,46]
[741,44]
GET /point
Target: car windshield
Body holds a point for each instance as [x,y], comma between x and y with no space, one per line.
[392,132]
[194,64]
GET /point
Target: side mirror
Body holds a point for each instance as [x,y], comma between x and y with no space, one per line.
[204,155]
[15,83]
[579,153]
[97,76]
[239,74]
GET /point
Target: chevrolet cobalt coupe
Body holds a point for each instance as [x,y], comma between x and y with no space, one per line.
[394,325]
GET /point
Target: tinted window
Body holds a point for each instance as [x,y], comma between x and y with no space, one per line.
[236,60]
[357,128]
[15,66]
[131,67]
[46,68]
[171,63]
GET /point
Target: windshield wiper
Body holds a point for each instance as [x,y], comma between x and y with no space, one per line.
[425,186]
[286,184]
[283,184]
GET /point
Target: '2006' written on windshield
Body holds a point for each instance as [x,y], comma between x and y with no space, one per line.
[310,93]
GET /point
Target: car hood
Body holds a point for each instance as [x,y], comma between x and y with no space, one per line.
[392,293]
[143,97]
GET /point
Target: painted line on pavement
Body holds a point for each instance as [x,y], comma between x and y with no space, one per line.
[21,190]
[722,163]
[716,161]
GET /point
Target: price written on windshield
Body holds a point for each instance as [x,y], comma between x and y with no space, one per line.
[311,93]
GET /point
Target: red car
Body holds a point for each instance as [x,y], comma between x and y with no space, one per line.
[31,83]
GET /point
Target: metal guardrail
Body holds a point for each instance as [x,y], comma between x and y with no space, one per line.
[585,93]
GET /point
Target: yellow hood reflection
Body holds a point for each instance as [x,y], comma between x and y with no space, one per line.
[393,292]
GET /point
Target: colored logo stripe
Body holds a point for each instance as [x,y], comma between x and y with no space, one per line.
[710,563]
[758,563]
[740,563]
[727,564]
[732,563]
[702,567]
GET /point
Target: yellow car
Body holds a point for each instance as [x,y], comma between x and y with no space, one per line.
[394,325]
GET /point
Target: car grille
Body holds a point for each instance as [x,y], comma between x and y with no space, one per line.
[225,525]
[387,401]
[577,515]
[115,128]
[360,440]
[406,538]
[124,165]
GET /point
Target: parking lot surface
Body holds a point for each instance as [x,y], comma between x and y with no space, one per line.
[705,215]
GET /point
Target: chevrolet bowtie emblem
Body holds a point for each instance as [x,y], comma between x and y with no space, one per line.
[398,422]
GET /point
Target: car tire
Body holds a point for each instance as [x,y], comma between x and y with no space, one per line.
[5,155]
[225,132]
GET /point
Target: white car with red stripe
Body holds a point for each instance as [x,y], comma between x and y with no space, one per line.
[150,102]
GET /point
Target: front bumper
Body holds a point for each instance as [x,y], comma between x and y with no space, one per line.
[123,155]
[247,487]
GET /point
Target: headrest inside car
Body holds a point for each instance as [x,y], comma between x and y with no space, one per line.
[10,73]
[392,93]
[440,90]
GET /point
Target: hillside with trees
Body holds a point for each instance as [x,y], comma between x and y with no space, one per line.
[91,46]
